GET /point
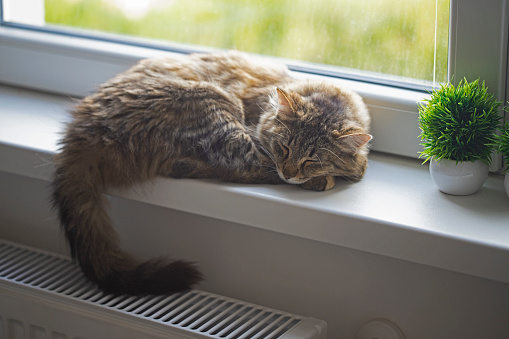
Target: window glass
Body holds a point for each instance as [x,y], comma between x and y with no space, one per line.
[402,39]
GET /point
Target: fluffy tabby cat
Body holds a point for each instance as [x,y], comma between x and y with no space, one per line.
[225,116]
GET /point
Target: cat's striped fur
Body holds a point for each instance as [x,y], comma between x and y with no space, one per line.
[224,116]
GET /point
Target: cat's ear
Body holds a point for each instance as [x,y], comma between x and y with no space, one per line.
[354,140]
[285,107]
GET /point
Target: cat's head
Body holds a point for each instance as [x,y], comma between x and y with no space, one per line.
[316,130]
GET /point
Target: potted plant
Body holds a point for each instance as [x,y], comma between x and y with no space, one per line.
[457,127]
[502,144]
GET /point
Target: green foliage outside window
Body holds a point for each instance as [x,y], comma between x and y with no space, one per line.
[383,36]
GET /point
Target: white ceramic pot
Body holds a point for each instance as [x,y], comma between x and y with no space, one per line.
[506,183]
[463,178]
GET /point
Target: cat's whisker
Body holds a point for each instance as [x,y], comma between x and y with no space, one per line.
[328,150]
[320,160]
[260,107]
[268,166]
[283,124]
[276,134]
[349,179]
[271,157]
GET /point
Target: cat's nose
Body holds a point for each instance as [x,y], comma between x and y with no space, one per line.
[289,171]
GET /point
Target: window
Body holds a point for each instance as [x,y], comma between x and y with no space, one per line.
[379,40]
[43,56]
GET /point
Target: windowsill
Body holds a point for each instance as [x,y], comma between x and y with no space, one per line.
[394,211]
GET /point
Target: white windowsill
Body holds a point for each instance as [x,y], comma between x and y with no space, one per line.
[394,211]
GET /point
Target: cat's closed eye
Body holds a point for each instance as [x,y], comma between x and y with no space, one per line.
[285,150]
[309,162]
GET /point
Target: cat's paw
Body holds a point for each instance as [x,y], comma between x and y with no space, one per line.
[319,183]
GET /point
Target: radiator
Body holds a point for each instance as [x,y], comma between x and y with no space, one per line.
[43,295]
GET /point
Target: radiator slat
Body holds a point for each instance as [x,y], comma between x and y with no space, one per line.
[259,327]
[148,302]
[26,269]
[76,290]
[181,305]
[213,315]
[198,313]
[8,255]
[10,266]
[85,292]
[240,331]
[158,308]
[131,308]
[54,277]
[65,284]
[204,316]
[218,327]
[253,328]
[236,323]
[277,328]
[96,296]
[189,310]
[37,267]
[113,303]
[41,276]
[127,302]
[106,299]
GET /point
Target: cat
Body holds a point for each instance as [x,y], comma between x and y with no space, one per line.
[227,116]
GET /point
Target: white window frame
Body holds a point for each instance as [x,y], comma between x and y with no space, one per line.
[72,65]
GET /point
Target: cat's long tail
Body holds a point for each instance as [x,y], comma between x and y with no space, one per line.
[78,196]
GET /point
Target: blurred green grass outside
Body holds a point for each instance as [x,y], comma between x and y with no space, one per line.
[384,36]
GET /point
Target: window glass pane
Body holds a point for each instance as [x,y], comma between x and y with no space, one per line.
[395,38]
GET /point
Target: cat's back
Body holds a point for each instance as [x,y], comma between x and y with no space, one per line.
[227,68]
[234,71]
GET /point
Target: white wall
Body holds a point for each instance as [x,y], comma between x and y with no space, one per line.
[344,287]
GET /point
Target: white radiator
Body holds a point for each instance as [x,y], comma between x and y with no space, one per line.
[45,296]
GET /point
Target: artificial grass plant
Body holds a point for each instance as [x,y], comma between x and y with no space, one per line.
[458,122]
